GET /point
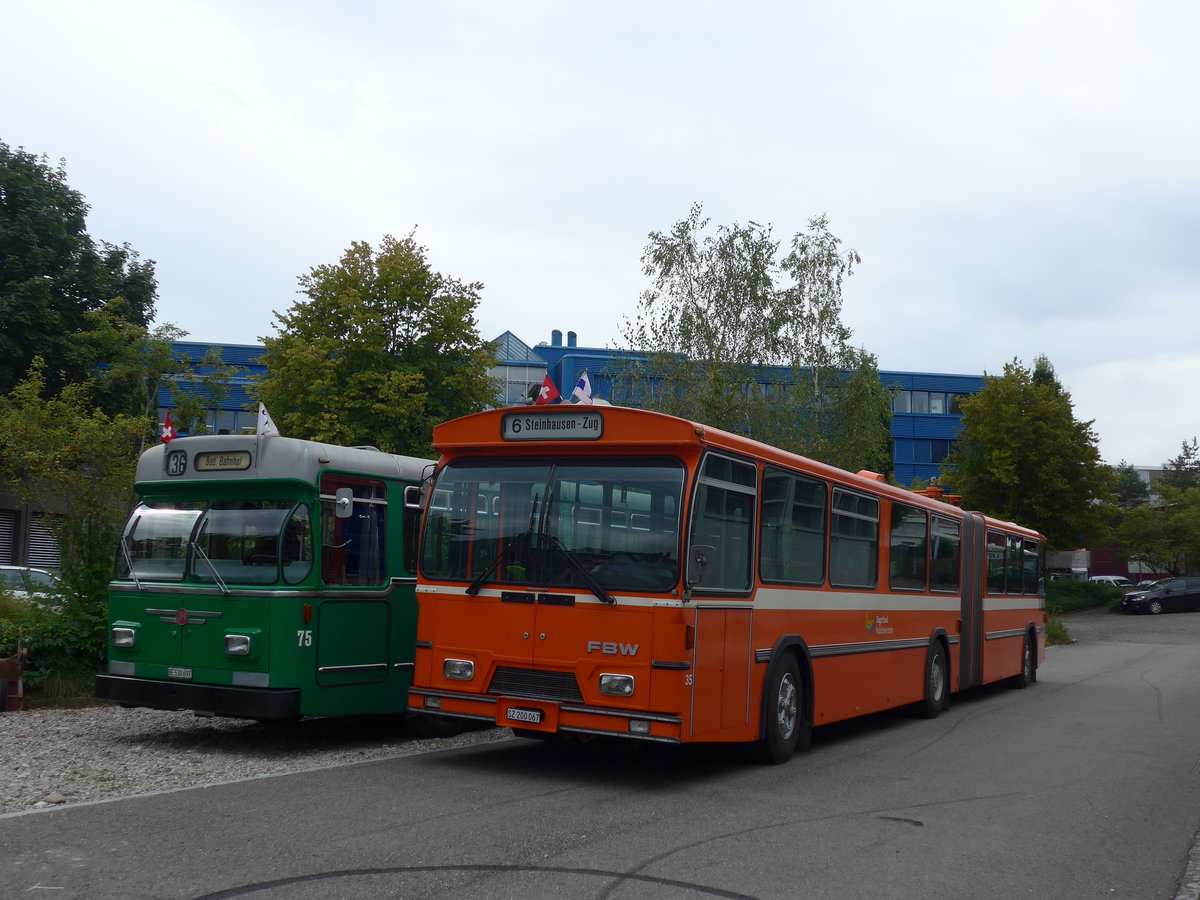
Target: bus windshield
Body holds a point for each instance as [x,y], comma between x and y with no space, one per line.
[234,541]
[605,523]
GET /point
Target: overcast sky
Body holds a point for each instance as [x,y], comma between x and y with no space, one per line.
[1020,178]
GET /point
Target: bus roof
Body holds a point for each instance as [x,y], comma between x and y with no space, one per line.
[246,456]
[595,429]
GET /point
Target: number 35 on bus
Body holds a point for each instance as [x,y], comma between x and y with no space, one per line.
[611,571]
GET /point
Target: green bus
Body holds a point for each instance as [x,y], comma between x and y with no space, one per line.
[266,577]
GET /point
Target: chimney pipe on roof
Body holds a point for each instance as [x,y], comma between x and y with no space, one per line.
[570,339]
[555,338]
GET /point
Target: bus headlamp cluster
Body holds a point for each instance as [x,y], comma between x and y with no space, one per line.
[458,669]
[616,685]
[237,644]
[124,637]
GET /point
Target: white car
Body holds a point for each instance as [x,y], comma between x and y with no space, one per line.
[1117,581]
[25,583]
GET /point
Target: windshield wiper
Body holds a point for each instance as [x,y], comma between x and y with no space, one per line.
[588,578]
[216,575]
[474,586]
[129,562]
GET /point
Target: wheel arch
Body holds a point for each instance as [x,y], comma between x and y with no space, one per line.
[794,646]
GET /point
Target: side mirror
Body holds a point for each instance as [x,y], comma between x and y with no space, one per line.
[343,502]
[700,557]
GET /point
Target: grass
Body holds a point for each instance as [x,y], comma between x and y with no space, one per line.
[1056,632]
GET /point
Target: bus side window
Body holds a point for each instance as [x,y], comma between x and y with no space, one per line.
[854,540]
[793,528]
[945,554]
[723,518]
[354,548]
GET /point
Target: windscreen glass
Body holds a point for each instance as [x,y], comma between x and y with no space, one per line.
[548,524]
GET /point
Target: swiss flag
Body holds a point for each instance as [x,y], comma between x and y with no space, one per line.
[548,393]
[168,431]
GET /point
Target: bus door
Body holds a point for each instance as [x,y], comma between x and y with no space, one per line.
[353,634]
[974,550]
[723,654]
[720,560]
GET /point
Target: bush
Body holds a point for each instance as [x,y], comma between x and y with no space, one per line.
[1067,595]
[65,643]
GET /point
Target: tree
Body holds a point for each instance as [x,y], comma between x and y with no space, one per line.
[64,454]
[742,340]
[1183,471]
[1128,487]
[381,349]
[1164,535]
[1021,456]
[52,275]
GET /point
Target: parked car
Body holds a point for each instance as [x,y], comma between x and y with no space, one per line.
[26,583]
[1143,586]
[1117,581]
[1176,595]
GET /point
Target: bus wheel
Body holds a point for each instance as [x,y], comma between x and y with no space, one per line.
[1028,673]
[937,683]
[782,712]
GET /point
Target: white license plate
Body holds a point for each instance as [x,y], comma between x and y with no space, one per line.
[525,715]
[176,672]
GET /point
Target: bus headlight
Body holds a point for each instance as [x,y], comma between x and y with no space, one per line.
[237,644]
[123,637]
[458,669]
[616,685]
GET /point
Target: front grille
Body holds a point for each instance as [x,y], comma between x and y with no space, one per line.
[535,684]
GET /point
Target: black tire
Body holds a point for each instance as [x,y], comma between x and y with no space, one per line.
[1028,673]
[784,724]
[422,725]
[1155,607]
[937,682]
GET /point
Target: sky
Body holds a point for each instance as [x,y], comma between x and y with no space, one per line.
[1019,178]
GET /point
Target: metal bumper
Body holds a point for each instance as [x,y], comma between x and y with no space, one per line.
[218,699]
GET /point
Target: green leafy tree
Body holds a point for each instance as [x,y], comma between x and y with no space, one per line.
[53,275]
[736,337]
[1022,456]
[1164,535]
[380,350]
[65,455]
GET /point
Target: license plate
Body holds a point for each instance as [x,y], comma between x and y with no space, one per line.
[533,716]
[175,672]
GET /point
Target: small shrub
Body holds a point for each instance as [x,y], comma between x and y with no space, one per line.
[1056,632]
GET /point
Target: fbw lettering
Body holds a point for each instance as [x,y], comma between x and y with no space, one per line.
[612,648]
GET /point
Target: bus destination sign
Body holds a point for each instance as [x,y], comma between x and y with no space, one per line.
[227,461]
[552,426]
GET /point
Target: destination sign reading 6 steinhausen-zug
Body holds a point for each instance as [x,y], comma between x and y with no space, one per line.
[552,426]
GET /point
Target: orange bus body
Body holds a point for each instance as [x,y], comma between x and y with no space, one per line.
[733,591]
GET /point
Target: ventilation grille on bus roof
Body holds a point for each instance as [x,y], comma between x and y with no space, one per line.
[536,685]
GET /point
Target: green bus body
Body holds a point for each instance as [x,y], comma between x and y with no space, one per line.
[265,577]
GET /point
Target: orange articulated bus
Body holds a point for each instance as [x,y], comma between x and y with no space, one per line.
[597,570]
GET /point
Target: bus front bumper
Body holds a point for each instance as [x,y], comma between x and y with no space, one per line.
[548,716]
[218,699]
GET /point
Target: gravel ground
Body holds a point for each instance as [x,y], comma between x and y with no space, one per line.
[50,757]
